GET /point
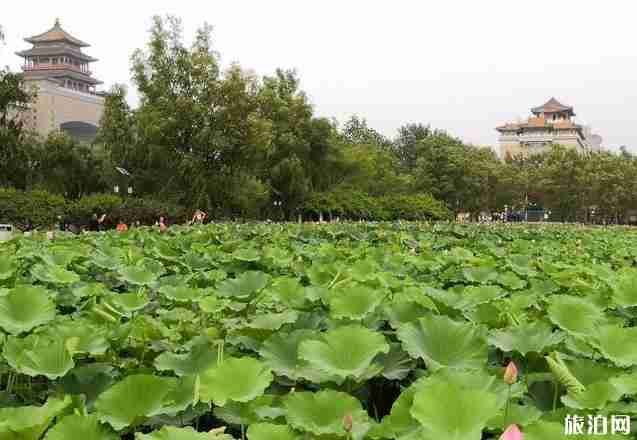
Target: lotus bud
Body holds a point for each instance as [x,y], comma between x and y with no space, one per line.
[348,422]
[511,373]
[512,433]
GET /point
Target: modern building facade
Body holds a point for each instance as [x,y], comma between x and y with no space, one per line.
[551,124]
[67,98]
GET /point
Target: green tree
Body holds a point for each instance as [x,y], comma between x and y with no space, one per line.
[16,156]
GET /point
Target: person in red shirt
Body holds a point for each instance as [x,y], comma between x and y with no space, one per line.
[121,226]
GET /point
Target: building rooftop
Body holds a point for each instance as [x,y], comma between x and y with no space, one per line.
[56,34]
[552,106]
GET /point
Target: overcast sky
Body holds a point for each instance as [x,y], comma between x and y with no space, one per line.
[463,66]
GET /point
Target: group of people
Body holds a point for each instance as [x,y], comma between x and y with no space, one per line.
[97,223]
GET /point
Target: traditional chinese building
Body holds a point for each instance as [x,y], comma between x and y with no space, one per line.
[67,98]
[551,124]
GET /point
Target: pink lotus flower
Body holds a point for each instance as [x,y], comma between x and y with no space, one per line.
[512,433]
[511,373]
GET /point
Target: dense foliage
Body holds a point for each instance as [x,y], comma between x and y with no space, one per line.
[360,331]
[239,145]
[42,209]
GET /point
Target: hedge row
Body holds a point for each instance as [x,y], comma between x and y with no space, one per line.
[43,209]
[355,205]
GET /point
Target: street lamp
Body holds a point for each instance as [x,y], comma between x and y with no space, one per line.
[127,176]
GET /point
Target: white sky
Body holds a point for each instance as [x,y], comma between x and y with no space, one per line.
[464,66]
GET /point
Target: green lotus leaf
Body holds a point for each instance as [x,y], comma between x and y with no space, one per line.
[526,337]
[521,415]
[181,293]
[138,275]
[127,303]
[521,264]
[84,290]
[447,411]
[322,413]
[595,396]
[90,380]
[199,358]
[396,363]
[511,281]
[354,301]
[575,315]
[280,352]
[40,355]
[415,295]
[25,308]
[8,266]
[399,313]
[246,285]
[554,430]
[442,342]
[588,371]
[626,384]
[468,297]
[625,290]
[132,399]
[273,321]
[54,274]
[80,427]
[236,379]
[480,274]
[182,393]
[212,304]
[617,344]
[246,254]
[289,292]
[269,431]
[399,421]
[346,352]
[90,339]
[248,413]
[174,433]
[30,422]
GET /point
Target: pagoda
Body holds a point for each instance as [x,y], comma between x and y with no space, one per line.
[67,98]
[58,56]
[551,124]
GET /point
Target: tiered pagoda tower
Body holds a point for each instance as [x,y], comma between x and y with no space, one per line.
[67,96]
[551,124]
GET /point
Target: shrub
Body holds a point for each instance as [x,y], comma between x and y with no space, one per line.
[355,204]
[41,208]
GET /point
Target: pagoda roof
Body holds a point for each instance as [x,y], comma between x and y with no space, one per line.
[56,33]
[552,106]
[56,50]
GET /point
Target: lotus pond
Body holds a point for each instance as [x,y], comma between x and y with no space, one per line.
[343,331]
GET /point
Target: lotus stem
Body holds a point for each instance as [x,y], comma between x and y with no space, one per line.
[506,408]
[556,385]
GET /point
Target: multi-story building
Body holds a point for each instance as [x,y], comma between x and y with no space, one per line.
[551,124]
[67,98]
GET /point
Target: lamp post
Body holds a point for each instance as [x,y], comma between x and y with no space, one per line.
[127,181]
[278,204]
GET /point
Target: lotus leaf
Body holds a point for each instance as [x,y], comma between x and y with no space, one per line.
[443,342]
[236,379]
[25,308]
[345,352]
